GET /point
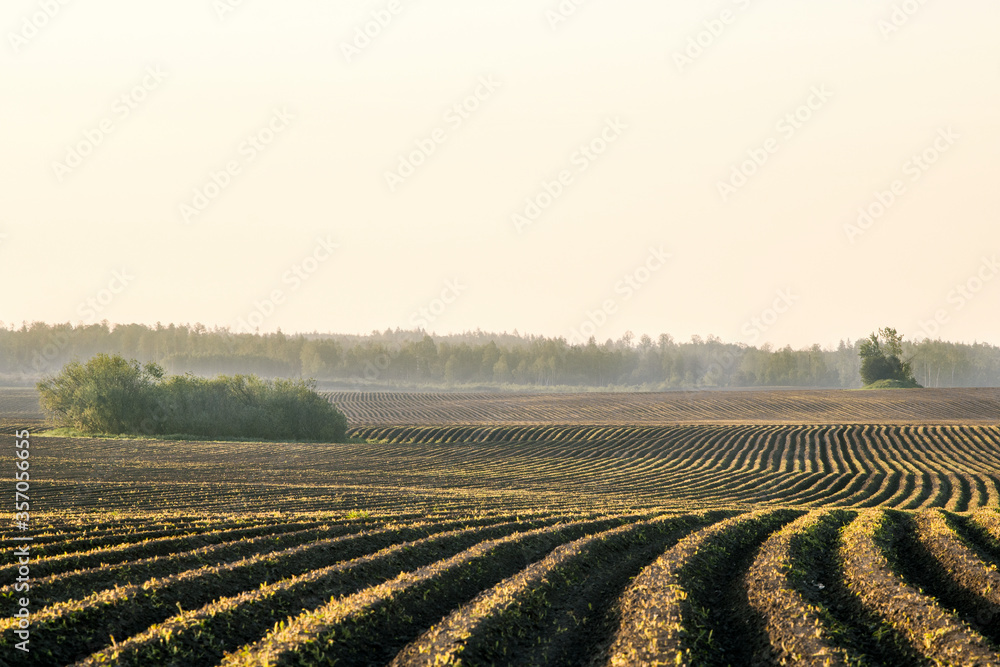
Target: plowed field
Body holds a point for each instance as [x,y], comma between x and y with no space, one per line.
[668,535]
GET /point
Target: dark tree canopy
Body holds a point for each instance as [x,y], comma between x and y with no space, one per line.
[881,359]
[109,394]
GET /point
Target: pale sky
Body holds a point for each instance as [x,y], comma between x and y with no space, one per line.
[119,120]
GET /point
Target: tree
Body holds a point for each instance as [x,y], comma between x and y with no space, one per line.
[106,395]
[881,359]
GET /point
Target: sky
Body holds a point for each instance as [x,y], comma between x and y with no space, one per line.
[759,170]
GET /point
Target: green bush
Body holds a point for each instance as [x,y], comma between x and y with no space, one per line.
[111,395]
[881,359]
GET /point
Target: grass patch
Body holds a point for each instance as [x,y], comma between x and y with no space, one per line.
[68,432]
[893,384]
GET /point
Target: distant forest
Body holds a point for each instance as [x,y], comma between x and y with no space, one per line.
[415,359]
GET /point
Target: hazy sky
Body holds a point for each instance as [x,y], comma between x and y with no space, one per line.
[691,168]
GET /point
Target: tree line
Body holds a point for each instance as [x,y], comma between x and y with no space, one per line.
[414,358]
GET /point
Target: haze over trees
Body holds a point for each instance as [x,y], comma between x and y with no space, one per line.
[416,359]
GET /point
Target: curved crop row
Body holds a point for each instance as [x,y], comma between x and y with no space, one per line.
[558,467]
[930,629]
[490,628]
[795,627]
[765,587]
[65,536]
[131,607]
[109,555]
[61,587]
[813,406]
[907,467]
[667,614]
[989,521]
[322,629]
[210,631]
[964,578]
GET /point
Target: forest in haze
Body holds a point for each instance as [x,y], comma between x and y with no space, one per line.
[416,359]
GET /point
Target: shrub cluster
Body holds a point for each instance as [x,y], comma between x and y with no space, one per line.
[882,362]
[112,395]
